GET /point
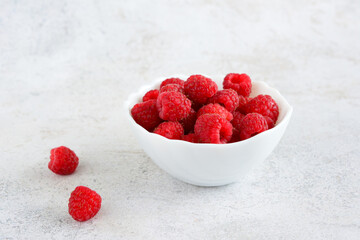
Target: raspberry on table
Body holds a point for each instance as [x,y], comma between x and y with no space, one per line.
[241,83]
[63,160]
[264,105]
[212,128]
[215,108]
[146,114]
[173,106]
[238,117]
[189,122]
[200,88]
[191,137]
[172,81]
[170,130]
[252,124]
[227,98]
[152,94]
[84,203]
[172,87]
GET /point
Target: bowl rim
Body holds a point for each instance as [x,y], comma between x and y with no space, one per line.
[130,101]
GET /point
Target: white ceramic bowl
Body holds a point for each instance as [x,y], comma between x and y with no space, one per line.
[210,164]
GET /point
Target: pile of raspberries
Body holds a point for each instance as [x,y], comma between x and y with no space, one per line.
[196,111]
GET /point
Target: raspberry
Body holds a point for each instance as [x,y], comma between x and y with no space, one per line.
[84,203]
[191,137]
[152,94]
[215,108]
[172,88]
[171,130]
[242,102]
[196,106]
[235,136]
[237,120]
[173,106]
[270,122]
[212,128]
[228,98]
[146,114]
[63,160]
[252,124]
[172,81]
[241,83]
[189,122]
[199,88]
[264,105]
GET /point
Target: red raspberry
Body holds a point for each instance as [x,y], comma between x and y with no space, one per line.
[172,81]
[84,203]
[242,102]
[172,88]
[171,130]
[196,106]
[152,94]
[173,106]
[270,122]
[235,136]
[212,128]
[146,114]
[241,83]
[265,105]
[199,88]
[238,117]
[191,137]
[252,124]
[189,122]
[217,109]
[63,161]
[228,98]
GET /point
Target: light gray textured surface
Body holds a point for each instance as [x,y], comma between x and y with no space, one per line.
[67,66]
